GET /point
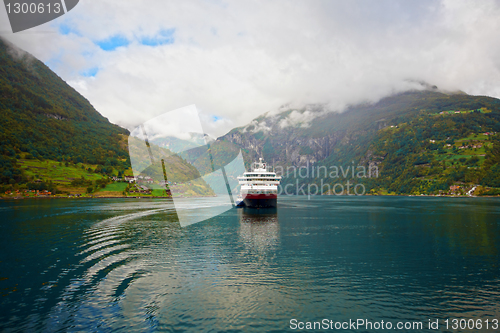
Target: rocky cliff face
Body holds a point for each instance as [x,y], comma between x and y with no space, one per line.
[312,150]
[284,145]
[314,135]
[368,138]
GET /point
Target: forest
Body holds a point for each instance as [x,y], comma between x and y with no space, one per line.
[43,118]
[421,142]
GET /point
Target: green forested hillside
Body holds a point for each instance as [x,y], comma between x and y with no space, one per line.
[429,153]
[52,138]
[421,142]
[42,117]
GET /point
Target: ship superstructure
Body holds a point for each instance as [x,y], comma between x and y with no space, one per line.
[259,187]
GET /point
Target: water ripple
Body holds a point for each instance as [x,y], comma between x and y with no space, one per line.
[123,265]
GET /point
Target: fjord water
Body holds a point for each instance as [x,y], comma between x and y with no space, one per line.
[127,265]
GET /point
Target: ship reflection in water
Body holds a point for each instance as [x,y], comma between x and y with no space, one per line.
[122,265]
[259,228]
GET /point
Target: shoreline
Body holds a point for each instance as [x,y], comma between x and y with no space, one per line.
[97,197]
[170,198]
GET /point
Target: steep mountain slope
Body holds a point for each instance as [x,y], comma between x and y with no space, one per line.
[44,119]
[431,152]
[418,141]
[312,137]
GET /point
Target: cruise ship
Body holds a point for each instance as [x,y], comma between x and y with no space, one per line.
[259,187]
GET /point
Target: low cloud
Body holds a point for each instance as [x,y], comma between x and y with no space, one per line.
[237,60]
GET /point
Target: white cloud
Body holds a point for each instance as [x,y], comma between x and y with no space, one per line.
[257,126]
[236,60]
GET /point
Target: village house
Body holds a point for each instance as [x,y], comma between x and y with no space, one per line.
[130,179]
[141,189]
[144,179]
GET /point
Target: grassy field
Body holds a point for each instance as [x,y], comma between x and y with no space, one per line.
[115,187]
[57,171]
[475,137]
[452,112]
[455,158]
[159,193]
[112,190]
[60,174]
[465,153]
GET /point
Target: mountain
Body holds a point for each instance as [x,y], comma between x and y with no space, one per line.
[416,142]
[43,117]
[413,148]
[51,137]
[177,145]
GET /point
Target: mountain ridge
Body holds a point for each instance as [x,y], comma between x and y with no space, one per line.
[341,138]
[53,139]
[422,141]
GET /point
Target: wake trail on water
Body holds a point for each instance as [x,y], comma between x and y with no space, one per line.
[128,217]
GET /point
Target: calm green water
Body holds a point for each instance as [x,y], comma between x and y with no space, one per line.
[124,265]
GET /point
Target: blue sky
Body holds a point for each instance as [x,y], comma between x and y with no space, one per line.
[65,29]
[113,42]
[237,60]
[91,72]
[165,36]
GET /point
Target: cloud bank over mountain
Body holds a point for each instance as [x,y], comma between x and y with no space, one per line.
[237,60]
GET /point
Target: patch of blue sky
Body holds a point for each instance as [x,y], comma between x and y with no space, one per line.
[55,62]
[165,36]
[88,53]
[91,72]
[65,29]
[112,43]
[215,118]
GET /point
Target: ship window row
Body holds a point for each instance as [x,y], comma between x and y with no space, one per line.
[262,192]
[260,175]
[261,179]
